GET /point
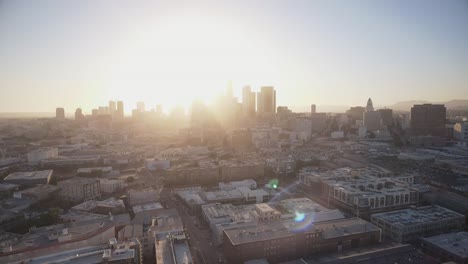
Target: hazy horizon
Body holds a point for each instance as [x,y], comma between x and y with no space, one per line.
[330,53]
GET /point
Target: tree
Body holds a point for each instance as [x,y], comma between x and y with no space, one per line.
[130,179]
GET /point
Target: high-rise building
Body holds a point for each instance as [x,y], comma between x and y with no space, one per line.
[313,109]
[141,107]
[356,112]
[386,115]
[266,100]
[248,101]
[120,109]
[60,112]
[79,114]
[94,112]
[369,106]
[101,110]
[159,109]
[372,119]
[428,119]
[112,107]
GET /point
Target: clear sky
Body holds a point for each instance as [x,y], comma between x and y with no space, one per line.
[84,53]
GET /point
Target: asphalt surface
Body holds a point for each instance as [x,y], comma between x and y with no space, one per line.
[199,234]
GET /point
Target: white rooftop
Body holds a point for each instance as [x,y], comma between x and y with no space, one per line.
[146,207]
[29,175]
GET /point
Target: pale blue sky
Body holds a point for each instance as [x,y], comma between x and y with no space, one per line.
[83,53]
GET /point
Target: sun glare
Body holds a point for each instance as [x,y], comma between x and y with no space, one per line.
[179,59]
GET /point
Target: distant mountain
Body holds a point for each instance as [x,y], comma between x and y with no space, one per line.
[451,105]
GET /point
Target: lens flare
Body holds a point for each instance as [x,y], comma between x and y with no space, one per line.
[299,217]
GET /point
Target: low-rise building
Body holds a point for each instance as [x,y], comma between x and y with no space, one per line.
[29,178]
[413,223]
[110,205]
[145,213]
[38,193]
[169,239]
[128,252]
[80,189]
[281,166]
[249,183]
[59,238]
[278,241]
[36,156]
[447,247]
[94,171]
[109,186]
[362,191]
[144,196]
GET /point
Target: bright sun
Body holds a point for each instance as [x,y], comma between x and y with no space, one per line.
[187,57]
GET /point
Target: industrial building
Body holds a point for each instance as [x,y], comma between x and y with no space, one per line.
[278,242]
[362,191]
[413,223]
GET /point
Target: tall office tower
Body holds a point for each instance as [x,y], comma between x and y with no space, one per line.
[386,115]
[101,110]
[141,107]
[428,119]
[79,114]
[369,106]
[372,119]
[356,112]
[60,112]
[266,100]
[248,101]
[313,109]
[94,112]
[112,107]
[229,90]
[120,109]
[159,109]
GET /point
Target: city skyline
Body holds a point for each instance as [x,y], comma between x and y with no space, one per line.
[174,53]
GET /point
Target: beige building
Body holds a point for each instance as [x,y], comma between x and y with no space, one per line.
[80,189]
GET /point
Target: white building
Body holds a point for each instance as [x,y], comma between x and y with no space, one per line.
[35,156]
[111,186]
[249,183]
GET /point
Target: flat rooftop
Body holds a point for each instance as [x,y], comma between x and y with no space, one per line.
[40,190]
[78,180]
[302,205]
[8,186]
[243,235]
[29,175]
[345,227]
[455,243]
[417,216]
[146,207]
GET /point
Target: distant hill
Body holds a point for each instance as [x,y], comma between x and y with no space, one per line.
[451,105]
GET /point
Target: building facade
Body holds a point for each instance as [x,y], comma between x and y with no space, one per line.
[411,224]
[80,189]
[428,119]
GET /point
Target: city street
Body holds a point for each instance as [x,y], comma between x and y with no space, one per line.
[199,235]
